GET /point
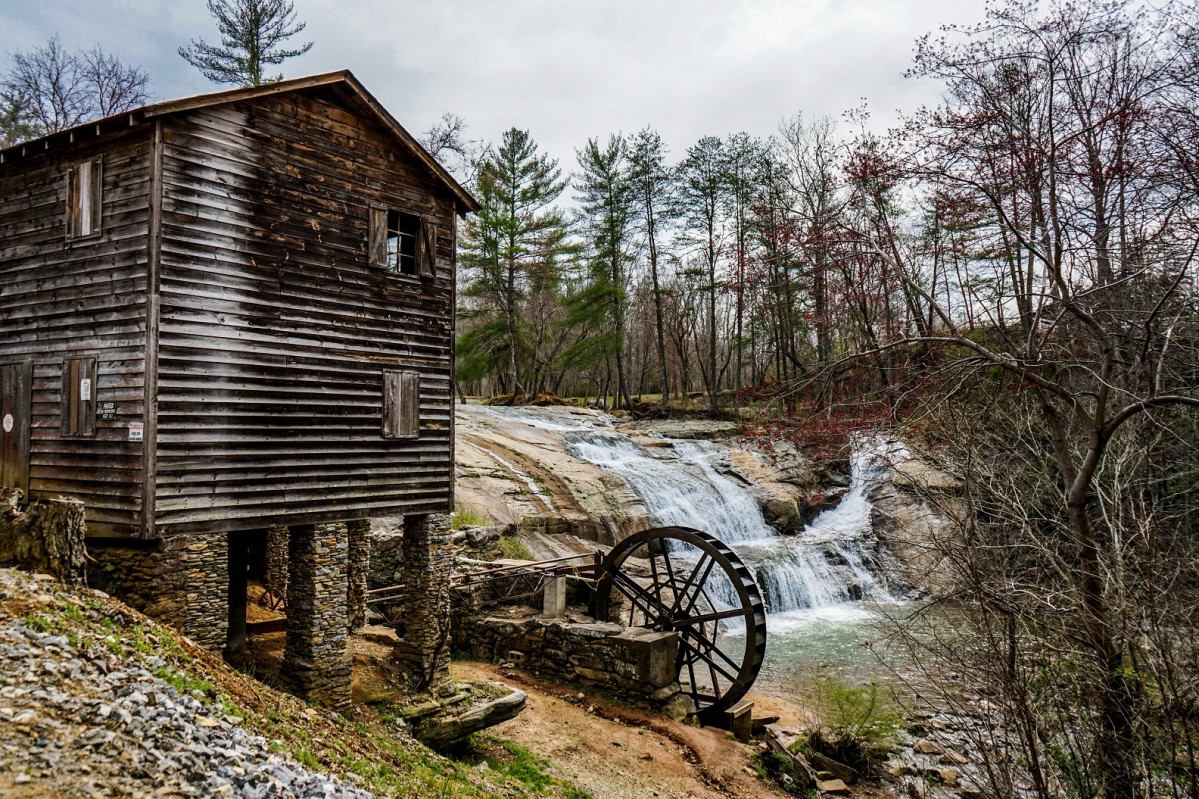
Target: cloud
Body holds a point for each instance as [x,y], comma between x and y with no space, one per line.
[564,69]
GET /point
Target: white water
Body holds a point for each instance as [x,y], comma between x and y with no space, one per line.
[822,567]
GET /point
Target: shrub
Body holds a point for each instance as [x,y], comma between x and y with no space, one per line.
[513,548]
[467,517]
[856,723]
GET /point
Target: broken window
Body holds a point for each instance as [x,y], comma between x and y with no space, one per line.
[84,182]
[402,243]
[79,397]
[401,404]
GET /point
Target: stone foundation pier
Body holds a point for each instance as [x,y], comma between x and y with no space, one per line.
[359,569]
[424,652]
[315,664]
[182,581]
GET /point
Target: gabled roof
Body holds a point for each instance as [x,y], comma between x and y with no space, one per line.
[342,80]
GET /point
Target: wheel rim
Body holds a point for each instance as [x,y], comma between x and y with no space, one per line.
[697,590]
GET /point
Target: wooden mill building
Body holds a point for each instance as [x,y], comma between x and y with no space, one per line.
[222,315]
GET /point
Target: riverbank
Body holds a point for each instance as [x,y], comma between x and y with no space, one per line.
[615,752]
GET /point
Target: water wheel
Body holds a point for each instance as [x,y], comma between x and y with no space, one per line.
[693,584]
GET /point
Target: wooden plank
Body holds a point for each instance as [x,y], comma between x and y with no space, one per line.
[153,318]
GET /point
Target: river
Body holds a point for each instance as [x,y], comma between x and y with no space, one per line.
[825,591]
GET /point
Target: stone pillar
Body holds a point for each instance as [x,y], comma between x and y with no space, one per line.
[239,564]
[315,664]
[204,562]
[553,601]
[424,653]
[359,568]
[277,542]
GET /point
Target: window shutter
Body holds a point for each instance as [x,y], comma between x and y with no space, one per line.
[79,397]
[72,202]
[428,249]
[410,404]
[377,237]
[401,404]
[96,187]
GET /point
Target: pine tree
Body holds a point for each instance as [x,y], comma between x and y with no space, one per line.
[252,34]
[514,244]
[702,192]
[652,188]
[607,213]
[742,157]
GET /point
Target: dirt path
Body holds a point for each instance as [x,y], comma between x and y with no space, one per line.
[613,752]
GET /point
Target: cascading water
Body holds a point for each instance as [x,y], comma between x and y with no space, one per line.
[823,566]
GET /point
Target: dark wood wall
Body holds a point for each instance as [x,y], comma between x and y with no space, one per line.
[275,331]
[84,298]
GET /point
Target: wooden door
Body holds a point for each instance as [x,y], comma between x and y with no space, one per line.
[16,380]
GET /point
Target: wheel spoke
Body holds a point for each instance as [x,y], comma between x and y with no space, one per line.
[707,617]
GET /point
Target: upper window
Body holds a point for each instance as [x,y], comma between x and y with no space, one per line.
[402,243]
[84,181]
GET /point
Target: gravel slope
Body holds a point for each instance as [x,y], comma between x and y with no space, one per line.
[80,718]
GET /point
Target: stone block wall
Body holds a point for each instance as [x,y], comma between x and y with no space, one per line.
[182,581]
[315,663]
[633,663]
[387,558]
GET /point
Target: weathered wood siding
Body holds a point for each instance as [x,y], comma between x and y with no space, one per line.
[275,331]
[61,299]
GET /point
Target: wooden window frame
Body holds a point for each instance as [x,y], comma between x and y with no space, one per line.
[401,404]
[382,223]
[85,199]
[78,405]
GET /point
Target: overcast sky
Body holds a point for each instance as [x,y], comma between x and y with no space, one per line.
[564,69]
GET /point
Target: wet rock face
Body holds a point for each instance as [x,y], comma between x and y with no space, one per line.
[916,509]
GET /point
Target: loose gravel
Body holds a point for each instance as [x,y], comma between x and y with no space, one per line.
[91,722]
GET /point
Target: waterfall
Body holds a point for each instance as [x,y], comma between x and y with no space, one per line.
[824,565]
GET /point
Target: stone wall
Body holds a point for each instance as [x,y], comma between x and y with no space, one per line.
[182,581]
[633,663]
[315,663]
[387,558]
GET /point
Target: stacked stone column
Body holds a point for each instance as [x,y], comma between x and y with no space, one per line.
[359,569]
[277,542]
[424,653]
[315,663]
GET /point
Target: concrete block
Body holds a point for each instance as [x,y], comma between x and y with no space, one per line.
[553,602]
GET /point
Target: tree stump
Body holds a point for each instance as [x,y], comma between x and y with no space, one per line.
[47,537]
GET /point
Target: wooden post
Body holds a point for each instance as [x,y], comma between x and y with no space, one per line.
[239,563]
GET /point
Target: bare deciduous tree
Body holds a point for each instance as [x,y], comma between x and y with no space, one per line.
[51,89]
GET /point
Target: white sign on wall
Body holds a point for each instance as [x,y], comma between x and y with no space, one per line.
[135,431]
[8,422]
[85,389]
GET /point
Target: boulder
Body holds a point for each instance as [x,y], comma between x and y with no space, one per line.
[835,787]
[443,732]
[839,770]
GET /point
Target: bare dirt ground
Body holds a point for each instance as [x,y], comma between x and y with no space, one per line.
[613,752]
